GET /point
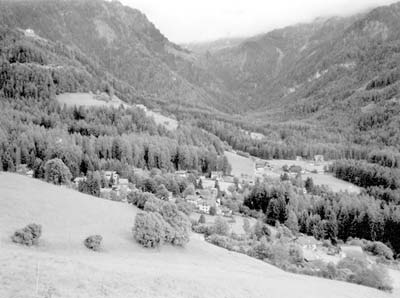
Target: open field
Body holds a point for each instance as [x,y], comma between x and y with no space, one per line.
[333,183]
[62,267]
[240,165]
[328,179]
[246,166]
[90,100]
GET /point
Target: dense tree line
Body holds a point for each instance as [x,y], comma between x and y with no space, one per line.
[284,141]
[379,181]
[326,215]
[99,139]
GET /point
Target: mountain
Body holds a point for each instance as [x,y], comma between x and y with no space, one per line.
[338,73]
[125,43]
[332,81]
[213,46]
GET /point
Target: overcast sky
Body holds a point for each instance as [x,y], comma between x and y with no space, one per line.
[203,20]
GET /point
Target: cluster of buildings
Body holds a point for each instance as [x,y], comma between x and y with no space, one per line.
[118,187]
[204,200]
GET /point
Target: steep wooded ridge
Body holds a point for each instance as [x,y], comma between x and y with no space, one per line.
[337,71]
[332,82]
[124,42]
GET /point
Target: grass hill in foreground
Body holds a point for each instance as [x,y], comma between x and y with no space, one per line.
[62,267]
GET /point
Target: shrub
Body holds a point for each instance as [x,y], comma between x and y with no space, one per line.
[221,240]
[354,242]
[283,231]
[149,229]
[220,227]
[179,223]
[185,207]
[362,274]
[202,229]
[246,226]
[379,249]
[139,198]
[296,254]
[29,235]
[260,230]
[213,210]
[261,250]
[153,205]
[189,191]
[162,192]
[93,242]
[56,172]
[202,219]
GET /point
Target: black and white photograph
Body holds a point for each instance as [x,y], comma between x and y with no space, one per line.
[199,149]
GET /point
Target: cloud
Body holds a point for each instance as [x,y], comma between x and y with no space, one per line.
[201,20]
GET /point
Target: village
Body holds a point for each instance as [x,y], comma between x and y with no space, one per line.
[211,190]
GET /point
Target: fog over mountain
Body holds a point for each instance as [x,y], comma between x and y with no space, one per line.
[193,21]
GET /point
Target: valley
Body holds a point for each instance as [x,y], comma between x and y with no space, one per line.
[132,166]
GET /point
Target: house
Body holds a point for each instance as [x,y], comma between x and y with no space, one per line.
[123,182]
[77,180]
[216,175]
[182,174]
[214,193]
[207,183]
[228,178]
[143,107]
[29,32]
[194,200]
[204,207]
[261,164]
[111,175]
[299,158]
[226,186]
[225,211]
[319,158]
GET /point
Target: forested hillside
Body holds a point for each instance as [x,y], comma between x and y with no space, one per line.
[334,81]
[328,87]
[35,128]
[123,41]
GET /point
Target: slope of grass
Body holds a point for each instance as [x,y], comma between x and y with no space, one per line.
[240,165]
[90,100]
[62,267]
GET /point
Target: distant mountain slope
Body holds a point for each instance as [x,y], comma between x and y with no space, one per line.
[340,73]
[62,267]
[124,42]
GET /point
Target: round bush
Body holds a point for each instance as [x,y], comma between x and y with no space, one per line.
[149,229]
[379,249]
[57,172]
[29,235]
[93,242]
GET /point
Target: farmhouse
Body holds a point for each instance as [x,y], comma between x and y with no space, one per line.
[203,205]
[319,158]
[228,179]
[111,175]
[216,175]
[182,174]
[77,180]
[208,183]
[261,164]
[29,32]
